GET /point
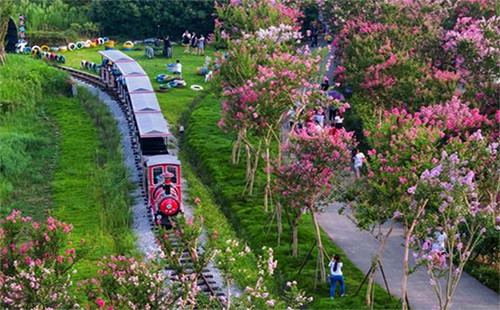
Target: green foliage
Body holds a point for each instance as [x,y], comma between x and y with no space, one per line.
[52,38]
[50,15]
[248,218]
[25,81]
[140,19]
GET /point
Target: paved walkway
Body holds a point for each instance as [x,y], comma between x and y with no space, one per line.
[361,246]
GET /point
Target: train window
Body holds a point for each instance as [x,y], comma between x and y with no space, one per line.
[174,171]
[156,173]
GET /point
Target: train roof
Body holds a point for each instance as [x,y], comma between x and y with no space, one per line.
[144,102]
[152,125]
[130,68]
[162,159]
[138,84]
[116,56]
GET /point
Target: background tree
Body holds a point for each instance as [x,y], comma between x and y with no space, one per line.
[6,10]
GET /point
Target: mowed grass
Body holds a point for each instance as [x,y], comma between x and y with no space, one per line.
[75,178]
[28,156]
[209,150]
[173,102]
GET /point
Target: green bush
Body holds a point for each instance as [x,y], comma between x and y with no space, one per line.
[52,38]
[26,81]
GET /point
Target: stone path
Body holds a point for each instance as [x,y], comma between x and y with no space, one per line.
[361,246]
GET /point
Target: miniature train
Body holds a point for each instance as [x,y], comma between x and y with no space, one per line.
[162,171]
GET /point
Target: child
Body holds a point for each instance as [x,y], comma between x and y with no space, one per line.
[178,69]
[201,46]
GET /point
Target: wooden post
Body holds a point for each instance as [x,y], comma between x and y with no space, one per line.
[364,280]
[307,257]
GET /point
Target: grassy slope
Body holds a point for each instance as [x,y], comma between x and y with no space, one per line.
[52,161]
[246,213]
[27,154]
[27,139]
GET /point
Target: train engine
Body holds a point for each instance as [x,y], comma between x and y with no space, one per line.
[164,188]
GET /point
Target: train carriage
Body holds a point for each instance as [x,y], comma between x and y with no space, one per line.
[163,178]
[162,171]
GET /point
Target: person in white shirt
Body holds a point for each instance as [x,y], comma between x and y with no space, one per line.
[359,158]
[178,69]
[338,121]
[336,276]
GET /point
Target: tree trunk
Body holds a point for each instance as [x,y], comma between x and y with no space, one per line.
[254,170]
[406,263]
[280,225]
[376,261]
[321,260]
[267,194]
[295,237]
[235,154]
[249,162]
[228,294]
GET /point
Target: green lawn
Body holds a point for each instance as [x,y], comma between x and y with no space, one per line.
[79,180]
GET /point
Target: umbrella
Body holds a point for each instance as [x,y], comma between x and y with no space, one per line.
[336,95]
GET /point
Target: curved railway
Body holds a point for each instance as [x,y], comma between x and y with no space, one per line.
[206,280]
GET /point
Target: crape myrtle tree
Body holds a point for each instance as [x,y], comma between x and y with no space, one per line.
[310,178]
[404,145]
[448,200]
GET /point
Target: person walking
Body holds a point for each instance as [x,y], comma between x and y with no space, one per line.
[194,43]
[336,276]
[186,38]
[359,159]
[167,47]
[315,32]
[201,46]
[308,35]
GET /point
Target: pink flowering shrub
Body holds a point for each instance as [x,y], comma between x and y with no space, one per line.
[36,263]
[258,296]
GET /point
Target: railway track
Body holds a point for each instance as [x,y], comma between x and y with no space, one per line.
[207,282]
